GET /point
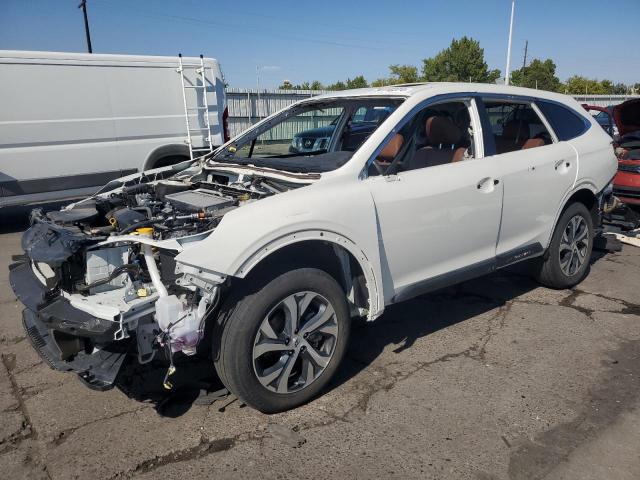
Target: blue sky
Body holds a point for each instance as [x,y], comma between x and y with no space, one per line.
[331,40]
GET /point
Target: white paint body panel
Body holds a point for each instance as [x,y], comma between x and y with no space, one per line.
[424,223]
[70,114]
[436,220]
[536,181]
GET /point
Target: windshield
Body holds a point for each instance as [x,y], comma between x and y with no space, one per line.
[313,137]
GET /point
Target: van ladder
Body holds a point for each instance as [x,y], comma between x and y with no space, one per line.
[201,106]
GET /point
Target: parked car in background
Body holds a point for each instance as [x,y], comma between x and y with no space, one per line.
[363,123]
[604,117]
[70,122]
[625,118]
[261,259]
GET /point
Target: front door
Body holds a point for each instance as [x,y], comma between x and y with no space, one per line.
[438,214]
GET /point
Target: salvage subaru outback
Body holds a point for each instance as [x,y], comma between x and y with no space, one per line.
[261,257]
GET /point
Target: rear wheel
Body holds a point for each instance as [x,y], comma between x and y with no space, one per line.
[281,343]
[567,261]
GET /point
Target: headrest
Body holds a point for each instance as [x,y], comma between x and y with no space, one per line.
[516,130]
[391,149]
[442,131]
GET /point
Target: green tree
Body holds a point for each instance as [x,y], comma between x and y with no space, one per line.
[316,85]
[286,85]
[357,82]
[399,74]
[620,89]
[382,82]
[607,86]
[579,85]
[462,61]
[537,74]
[337,86]
[403,74]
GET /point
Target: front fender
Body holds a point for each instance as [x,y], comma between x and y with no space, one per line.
[338,210]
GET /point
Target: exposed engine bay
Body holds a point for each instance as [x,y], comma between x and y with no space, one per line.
[103,270]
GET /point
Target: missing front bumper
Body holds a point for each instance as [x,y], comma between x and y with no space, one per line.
[98,369]
[67,339]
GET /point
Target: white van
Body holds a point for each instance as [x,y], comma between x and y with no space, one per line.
[70,122]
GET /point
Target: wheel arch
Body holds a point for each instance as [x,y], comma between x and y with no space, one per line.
[585,194]
[333,253]
[589,199]
[164,151]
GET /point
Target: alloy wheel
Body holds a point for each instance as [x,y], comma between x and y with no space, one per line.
[295,342]
[574,245]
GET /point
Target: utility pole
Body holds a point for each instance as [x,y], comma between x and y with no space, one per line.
[508,69]
[526,49]
[83,6]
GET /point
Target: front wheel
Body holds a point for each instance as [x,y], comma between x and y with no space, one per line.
[567,261]
[280,344]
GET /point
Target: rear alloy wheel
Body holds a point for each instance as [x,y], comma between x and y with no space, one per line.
[574,245]
[567,260]
[281,342]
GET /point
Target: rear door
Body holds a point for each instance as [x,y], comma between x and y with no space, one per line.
[537,170]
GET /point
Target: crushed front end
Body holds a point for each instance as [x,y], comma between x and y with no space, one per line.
[99,280]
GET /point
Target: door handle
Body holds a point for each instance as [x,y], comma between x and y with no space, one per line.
[486,184]
[560,164]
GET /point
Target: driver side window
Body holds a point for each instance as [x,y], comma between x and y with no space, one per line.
[437,135]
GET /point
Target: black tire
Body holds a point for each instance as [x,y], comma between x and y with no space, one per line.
[549,271]
[236,335]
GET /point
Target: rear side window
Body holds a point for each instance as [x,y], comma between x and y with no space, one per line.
[565,122]
[515,126]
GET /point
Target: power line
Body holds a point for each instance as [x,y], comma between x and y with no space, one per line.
[235,28]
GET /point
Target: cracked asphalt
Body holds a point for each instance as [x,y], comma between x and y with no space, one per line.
[496,378]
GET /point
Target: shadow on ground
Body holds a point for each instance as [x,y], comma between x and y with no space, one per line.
[401,326]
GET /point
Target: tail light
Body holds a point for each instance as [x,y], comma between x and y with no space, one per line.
[225,124]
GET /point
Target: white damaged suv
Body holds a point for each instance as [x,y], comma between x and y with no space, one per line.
[260,257]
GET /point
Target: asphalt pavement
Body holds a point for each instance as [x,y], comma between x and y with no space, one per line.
[496,378]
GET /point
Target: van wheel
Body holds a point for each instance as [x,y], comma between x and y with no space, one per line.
[280,344]
[567,260]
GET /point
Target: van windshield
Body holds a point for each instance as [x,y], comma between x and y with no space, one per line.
[313,137]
